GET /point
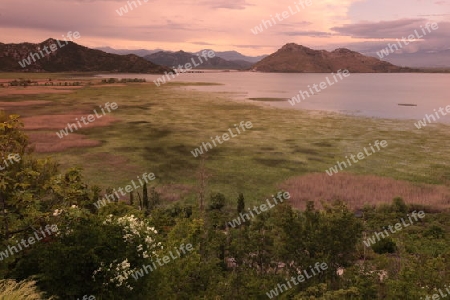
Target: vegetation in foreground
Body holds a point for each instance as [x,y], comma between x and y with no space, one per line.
[101,252]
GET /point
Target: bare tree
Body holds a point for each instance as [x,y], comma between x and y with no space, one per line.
[202,175]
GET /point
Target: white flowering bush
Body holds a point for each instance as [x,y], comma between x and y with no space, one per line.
[139,239]
[66,218]
[120,273]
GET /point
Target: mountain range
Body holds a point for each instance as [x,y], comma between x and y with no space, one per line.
[226,55]
[419,59]
[70,57]
[174,59]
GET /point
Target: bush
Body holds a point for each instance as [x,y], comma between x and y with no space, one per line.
[386,245]
[217,201]
[399,206]
[435,232]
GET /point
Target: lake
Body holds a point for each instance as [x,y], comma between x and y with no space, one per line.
[371,95]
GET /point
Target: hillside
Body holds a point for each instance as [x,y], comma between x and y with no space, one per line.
[70,57]
[293,58]
[173,59]
[235,56]
[138,52]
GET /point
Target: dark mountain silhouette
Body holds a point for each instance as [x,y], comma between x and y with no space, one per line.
[235,56]
[174,59]
[227,55]
[138,52]
[70,57]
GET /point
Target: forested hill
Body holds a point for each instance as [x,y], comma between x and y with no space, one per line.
[60,56]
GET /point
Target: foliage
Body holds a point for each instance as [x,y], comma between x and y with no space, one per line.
[217,201]
[240,203]
[386,245]
[97,256]
[98,251]
[24,290]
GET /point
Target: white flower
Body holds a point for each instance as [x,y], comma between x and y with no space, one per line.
[135,233]
[57,212]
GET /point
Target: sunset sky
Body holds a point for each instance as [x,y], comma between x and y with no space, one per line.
[226,24]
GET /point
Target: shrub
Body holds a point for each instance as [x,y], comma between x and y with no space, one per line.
[435,232]
[217,201]
[386,245]
[398,205]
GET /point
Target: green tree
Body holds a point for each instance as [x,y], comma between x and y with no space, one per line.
[217,201]
[240,203]
[131,198]
[145,200]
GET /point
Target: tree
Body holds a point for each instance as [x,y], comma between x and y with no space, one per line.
[217,201]
[203,176]
[240,203]
[399,205]
[107,250]
[131,198]
[24,182]
[145,200]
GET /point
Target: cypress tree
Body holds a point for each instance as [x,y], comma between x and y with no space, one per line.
[240,203]
[145,200]
[131,198]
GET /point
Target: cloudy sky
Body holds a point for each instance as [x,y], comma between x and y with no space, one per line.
[223,25]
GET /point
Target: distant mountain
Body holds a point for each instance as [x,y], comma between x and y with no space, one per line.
[235,56]
[293,58]
[227,55]
[419,59]
[174,59]
[138,52]
[69,57]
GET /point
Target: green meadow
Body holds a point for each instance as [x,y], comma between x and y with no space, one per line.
[158,127]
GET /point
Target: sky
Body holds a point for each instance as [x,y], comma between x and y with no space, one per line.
[222,25]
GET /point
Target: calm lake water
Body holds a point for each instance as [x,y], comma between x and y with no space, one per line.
[372,95]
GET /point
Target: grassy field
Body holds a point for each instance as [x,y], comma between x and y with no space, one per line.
[155,129]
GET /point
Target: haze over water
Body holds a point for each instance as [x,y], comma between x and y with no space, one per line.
[371,95]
